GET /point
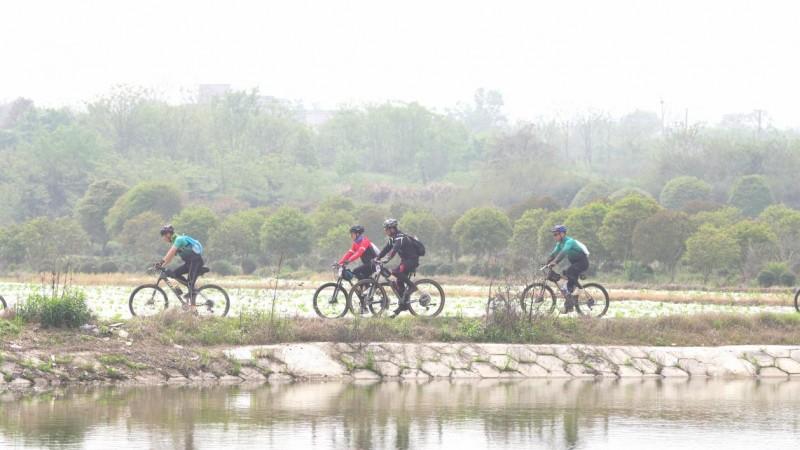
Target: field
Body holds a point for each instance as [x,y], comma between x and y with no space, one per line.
[108,297]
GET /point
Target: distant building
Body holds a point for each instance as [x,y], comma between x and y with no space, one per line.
[208,92]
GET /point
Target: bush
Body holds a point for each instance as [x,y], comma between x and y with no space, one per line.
[766,278]
[776,273]
[788,279]
[108,267]
[87,267]
[635,271]
[445,269]
[249,266]
[428,269]
[680,191]
[223,268]
[66,310]
[459,268]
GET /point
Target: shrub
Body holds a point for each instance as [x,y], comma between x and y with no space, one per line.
[66,310]
[445,269]
[108,267]
[459,268]
[249,266]
[223,268]
[680,191]
[87,267]
[635,271]
[775,273]
[428,269]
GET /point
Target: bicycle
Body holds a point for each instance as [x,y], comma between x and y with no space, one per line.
[427,300]
[797,301]
[538,298]
[148,299]
[3,304]
[327,302]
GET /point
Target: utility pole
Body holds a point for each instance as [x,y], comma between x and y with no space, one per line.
[758,116]
[662,117]
[686,120]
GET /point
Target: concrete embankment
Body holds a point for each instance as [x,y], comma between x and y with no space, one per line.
[398,361]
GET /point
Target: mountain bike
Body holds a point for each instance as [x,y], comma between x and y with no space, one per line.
[539,298]
[427,300]
[331,300]
[796,300]
[3,304]
[149,299]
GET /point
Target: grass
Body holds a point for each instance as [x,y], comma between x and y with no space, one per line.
[66,310]
[253,329]
[120,360]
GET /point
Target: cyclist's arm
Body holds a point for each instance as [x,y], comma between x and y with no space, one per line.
[170,254]
[386,249]
[359,250]
[346,256]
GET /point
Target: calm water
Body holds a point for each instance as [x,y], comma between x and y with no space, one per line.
[571,414]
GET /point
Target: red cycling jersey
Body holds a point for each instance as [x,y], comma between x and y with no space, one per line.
[360,246]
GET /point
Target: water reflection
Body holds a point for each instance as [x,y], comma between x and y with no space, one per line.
[444,414]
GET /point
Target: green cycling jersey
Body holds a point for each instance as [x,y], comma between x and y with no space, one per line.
[568,247]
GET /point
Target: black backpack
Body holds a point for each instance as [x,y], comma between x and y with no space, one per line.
[418,245]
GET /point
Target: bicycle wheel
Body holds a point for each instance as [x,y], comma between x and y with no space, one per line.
[147,300]
[212,300]
[427,300]
[3,304]
[796,299]
[538,299]
[331,300]
[592,300]
[369,293]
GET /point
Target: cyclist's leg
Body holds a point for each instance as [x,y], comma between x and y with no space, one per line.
[195,264]
[179,273]
[574,271]
[402,275]
[363,271]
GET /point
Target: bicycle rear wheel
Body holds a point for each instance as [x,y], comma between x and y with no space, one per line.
[538,299]
[427,300]
[331,301]
[212,300]
[369,293]
[147,300]
[592,300]
[3,304]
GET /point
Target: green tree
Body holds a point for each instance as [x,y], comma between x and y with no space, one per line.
[237,238]
[720,218]
[583,224]
[48,241]
[545,236]
[619,194]
[198,222]
[93,207]
[12,250]
[160,198]
[525,237]
[483,231]
[619,223]
[758,244]
[592,192]
[680,191]
[710,249]
[661,237]
[140,238]
[335,242]
[785,222]
[751,194]
[371,217]
[287,233]
[424,225]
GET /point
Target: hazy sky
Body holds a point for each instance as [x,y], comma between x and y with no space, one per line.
[549,57]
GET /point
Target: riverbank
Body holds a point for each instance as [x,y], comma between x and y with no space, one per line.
[179,348]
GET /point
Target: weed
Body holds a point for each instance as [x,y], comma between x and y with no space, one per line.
[68,309]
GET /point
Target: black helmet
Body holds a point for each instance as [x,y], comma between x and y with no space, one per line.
[389,223]
[167,229]
[357,229]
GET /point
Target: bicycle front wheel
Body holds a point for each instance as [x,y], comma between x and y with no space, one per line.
[212,300]
[3,304]
[147,300]
[592,300]
[796,300]
[538,299]
[427,300]
[369,294]
[331,300]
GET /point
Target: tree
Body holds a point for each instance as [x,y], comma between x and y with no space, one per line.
[534,202]
[661,237]
[334,243]
[751,194]
[424,225]
[371,217]
[287,233]
[719,218]
[592,192]
[545,235]
[711,249]
[680,191]
[93,207]
[483,231]
[758,244]
[198,222]
[785,222]
[621,220]
[237,238]
[42,249]
[525,238]
[583,224]
[160,198]
[619,194]
[140,237]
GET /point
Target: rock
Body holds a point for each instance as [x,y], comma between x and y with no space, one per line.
[522,354]
[308,360]
[40,382]
[693,367]
[568,355]
[628,372]
[777,352]
[788,365]
[279,378]
[635,352]
[251,374]
[663,358]
[204,376]
[436,369]
[494,349]
[364,374]
[769,372]
[601,366]
[240,354]
[728,365]
[580,371]
[760,359]
[271,365]
[149,379]
[454,361]
[502,362]
[471,352]
[645,366]
[387,369]
[486,370]
[230,379]
[123,334]
[20,383]
[532,370]
[616,356]
[551,363]
[460,373]
[795,355]
[673,372]
[414,374]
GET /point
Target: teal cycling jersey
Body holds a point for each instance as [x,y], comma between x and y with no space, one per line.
[186,245]
[570,248]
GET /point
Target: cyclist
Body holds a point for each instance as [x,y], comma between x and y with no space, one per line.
[400,244]
[578,256]
[362,249]
[190,251]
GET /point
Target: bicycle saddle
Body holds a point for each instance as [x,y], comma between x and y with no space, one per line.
[203,271]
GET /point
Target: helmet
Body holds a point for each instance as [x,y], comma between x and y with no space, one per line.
[358,229]
[559,229]
[389,223]
[167,229]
